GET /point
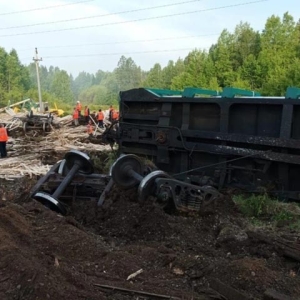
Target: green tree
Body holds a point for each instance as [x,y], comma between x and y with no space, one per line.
[154,77]
[198,71]
[170,71]
[221,56]
[18,80]
[99,76]
[213,84]
[61,87]
[128,74]
[251,72]
[245,41]
[3,87]
[83,81]
[279,47]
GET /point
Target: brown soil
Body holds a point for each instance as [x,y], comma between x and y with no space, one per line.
[46,256]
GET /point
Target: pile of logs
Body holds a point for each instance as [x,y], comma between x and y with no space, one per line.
[24,165]
[26,153]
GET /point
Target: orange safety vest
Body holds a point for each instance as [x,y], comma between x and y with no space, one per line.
[3,135]
[100,116]
[75,114]
[89,129]
[86,112]
[115,115]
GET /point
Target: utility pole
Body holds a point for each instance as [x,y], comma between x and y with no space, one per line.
[36,59]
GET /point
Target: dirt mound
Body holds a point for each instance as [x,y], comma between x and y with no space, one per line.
[46,256]
[41,254]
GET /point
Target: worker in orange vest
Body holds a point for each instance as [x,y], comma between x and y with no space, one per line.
[3,140]
[115,115]
[90,128]
[100,118]
[79,108]
[75,116]
[86,114]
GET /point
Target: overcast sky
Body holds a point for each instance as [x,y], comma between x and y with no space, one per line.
[105,38]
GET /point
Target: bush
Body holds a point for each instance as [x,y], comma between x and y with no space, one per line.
[255,206]
[263,207]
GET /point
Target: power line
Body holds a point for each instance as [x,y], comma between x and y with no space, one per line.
[103,15]
[121,53]
[130,53]
[43,8]
[136,20]
[121,42]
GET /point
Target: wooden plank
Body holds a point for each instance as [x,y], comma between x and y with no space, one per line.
[142,293]
[271,294]
[226,290]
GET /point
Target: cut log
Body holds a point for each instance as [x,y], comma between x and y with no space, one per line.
[285,247]
[227,291]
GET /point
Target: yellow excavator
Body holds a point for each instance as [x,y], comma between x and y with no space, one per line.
[57,111]
[29,105]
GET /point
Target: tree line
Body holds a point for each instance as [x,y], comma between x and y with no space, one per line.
[267,62]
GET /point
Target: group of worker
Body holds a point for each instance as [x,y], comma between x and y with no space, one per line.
[113,116]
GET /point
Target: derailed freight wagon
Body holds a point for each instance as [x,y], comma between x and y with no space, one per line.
[236,139]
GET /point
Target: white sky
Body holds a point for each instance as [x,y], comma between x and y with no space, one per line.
[92,43]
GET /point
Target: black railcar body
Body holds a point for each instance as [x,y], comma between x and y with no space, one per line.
[249,142]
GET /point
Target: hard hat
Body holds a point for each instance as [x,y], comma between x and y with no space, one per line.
[77,101]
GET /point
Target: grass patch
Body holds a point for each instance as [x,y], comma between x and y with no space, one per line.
[262,208]
[103,160]
[108,162]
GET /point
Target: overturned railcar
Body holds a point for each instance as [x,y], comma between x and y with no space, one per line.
[237,139]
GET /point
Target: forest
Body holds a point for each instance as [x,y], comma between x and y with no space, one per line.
[267,62]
